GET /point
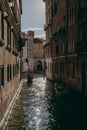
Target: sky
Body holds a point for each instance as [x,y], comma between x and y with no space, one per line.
[33,17]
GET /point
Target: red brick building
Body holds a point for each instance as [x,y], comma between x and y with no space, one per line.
[58,39]
[68,39]
[38,55]
[48,45]
[81,47]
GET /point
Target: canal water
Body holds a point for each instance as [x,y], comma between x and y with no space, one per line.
[40,108]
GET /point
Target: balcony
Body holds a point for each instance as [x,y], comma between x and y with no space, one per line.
[11,4]
[61,31]
[1,43]
[81,47]
[55,36]
[8,48]
[82,15]
[48,40]
[14,52]
[21,43]
[45,27]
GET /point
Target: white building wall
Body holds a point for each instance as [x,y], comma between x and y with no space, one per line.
[30,51]
[24,57]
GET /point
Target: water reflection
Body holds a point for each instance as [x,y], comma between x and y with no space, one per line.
[35,107]
[38,108]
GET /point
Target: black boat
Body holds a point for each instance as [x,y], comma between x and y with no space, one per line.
[61,89]
[30,79]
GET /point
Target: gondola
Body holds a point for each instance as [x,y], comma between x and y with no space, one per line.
[30,79]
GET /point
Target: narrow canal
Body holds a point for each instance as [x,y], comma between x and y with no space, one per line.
[39,108]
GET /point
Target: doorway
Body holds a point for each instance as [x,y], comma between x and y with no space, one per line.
[39,66]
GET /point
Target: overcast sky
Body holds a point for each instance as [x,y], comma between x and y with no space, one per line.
[33,17]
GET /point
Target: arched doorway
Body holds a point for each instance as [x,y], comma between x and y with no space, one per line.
[39,66]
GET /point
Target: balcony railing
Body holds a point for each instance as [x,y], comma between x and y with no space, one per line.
[82,14]
[81,47]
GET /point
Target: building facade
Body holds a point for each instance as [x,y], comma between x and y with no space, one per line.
[30,34]
[68,31]
[81,46]
[48,45]
[39,57]
[10,45]
[24,53]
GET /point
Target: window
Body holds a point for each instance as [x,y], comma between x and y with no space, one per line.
[71,70]
[8,73]
[12,38]
[57,50]
[50,67]
[62,69]
[72,14]
[73,73]
[52,13]
[62,49]
[5,32]
[63,21]
[2,27]
[71,45]
[63,2]
[83,3]
[53,69]
[0,24]
[13,71]
[55,8]
[84,36]
[2,75]
[8,34]
[57,2]
[56,65]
